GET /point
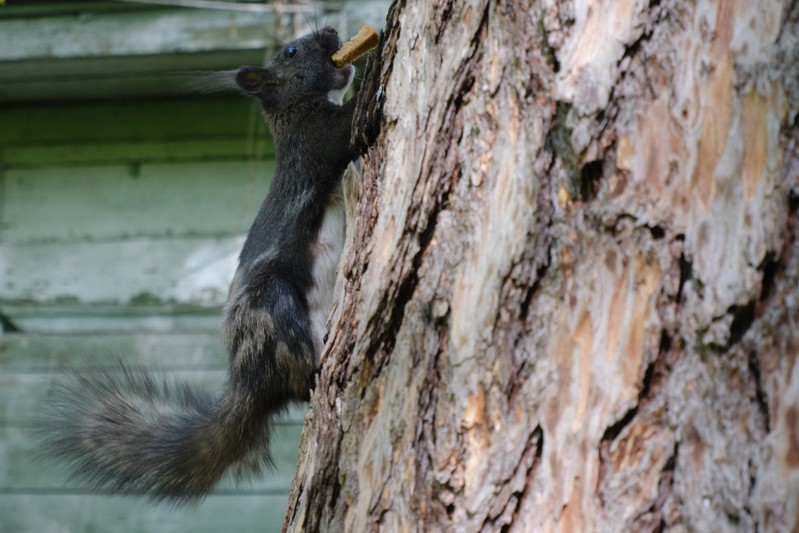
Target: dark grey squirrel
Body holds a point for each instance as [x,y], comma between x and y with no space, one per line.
[127,432]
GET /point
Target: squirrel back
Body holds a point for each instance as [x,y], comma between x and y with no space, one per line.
[129,433]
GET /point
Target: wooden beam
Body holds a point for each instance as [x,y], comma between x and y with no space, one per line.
[102,49]
[96,34]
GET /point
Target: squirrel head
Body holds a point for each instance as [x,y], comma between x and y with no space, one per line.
[301,71]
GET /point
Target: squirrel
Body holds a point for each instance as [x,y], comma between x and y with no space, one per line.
[129,433]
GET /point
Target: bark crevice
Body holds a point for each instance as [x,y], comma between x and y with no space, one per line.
[573,222]
[521,495]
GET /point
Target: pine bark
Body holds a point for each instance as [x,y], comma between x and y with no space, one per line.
[572,298]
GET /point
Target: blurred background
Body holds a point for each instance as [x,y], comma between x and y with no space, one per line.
[125,196]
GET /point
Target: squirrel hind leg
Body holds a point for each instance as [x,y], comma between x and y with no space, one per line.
[269,336]
[298,368]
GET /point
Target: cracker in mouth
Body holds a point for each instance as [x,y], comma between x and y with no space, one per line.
[366,40]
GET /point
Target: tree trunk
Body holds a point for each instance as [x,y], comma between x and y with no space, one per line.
[572,301]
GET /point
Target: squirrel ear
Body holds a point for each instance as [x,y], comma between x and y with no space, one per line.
[251,79]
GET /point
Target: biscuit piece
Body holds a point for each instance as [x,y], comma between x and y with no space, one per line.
[367,39]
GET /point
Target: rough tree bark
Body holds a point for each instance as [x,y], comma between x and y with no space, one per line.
[572,302]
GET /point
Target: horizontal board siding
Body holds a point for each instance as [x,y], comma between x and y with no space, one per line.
[82,513]
[22,394]
[80,318]
[126,218]
[135,203]
[101,203]
[120,49]
[74,154]
[194,271]
[28,471]
[37,353]
[30,363]
[208,117]
[139,32]
[37,495]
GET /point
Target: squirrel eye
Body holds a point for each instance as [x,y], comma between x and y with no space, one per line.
[289,52]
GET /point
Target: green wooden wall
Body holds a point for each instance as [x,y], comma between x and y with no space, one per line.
[120,224]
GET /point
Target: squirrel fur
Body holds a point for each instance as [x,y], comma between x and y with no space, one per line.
[127,432]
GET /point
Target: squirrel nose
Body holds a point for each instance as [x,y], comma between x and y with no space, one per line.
[331,31]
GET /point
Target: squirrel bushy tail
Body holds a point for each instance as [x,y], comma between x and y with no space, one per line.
[126,432]
[129,432]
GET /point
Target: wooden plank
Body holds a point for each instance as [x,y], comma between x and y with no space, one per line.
[140,32]
[66,154]
[113,79]
[36,353]
[128,67]
[23,393]
[99,50]
[189,271]
[171,230]
[29,471]
[70,319]
[204,117]
[94,30]
[96,203]
[50,8]
[57,513]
